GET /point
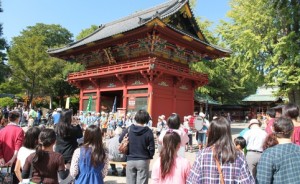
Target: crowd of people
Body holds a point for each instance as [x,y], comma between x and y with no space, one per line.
[81,148]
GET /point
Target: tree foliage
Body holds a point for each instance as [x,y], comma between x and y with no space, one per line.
[264,37]
[4,69]
[32,67]
[6,101]
[85,32]
[226,82]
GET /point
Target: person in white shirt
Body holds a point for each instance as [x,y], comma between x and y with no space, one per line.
[29,144]
[174,124]
[255,138]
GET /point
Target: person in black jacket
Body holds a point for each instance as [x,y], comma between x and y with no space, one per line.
[67,135]
[141,149]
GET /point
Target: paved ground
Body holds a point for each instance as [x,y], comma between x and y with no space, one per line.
[235,128]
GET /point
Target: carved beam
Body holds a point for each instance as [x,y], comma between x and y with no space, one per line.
[95,82]
[122,78]
[76,83]
[145,75]
[178,81]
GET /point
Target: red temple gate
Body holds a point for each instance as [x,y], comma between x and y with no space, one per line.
[143,61]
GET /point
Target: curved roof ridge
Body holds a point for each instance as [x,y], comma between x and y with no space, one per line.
[77,41]
[143,12]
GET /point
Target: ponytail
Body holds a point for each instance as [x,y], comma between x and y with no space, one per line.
[47,138]
[38,154]
[171,141]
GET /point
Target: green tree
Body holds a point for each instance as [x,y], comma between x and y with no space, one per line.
[220,70]
[6,101]
[10,87]
[4,69]
[85,32]
[58,87]
[264,37]
[33,68]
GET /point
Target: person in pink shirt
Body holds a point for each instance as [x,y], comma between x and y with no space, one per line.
[169,167]
[174,124]
[270,115]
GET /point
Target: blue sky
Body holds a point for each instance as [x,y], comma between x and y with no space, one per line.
[76,15]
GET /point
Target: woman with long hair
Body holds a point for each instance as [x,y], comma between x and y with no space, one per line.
[280,163]
[170,168]
[67,135]
[30,141]
[174,123]
[43,165]
[292,111]
[220,160]
[90,161]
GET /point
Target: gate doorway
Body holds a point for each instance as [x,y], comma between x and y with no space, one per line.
[108,98]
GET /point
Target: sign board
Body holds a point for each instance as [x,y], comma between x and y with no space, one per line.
[131,103]
[198,123]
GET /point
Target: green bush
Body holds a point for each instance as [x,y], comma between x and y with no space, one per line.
[6,101]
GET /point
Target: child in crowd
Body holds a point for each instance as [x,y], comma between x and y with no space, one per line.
[240,143]
[170,168]
[189,131]
[90,161]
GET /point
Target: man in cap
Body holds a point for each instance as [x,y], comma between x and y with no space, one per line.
[255,138]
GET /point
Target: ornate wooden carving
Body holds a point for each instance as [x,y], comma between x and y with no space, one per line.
[109,56]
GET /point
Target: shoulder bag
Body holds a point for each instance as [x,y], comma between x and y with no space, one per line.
[124,145]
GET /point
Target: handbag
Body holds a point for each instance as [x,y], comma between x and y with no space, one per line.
[124,145]
[6,176]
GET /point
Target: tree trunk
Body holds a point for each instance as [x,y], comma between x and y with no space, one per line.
[50,103]
[294,96]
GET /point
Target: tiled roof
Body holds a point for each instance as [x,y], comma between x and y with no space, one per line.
[264,94]
[205,99]
[135,21]
[261,98]
[195,38]
[128,23]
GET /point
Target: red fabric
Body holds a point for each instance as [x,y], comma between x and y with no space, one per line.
[11,139]
[269,126]
[296,135]
[191,122]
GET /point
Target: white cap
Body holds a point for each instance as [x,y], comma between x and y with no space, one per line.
[59,109]
[253,121]
[201,114]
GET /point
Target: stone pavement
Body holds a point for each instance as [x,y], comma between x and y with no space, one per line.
[235,128]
